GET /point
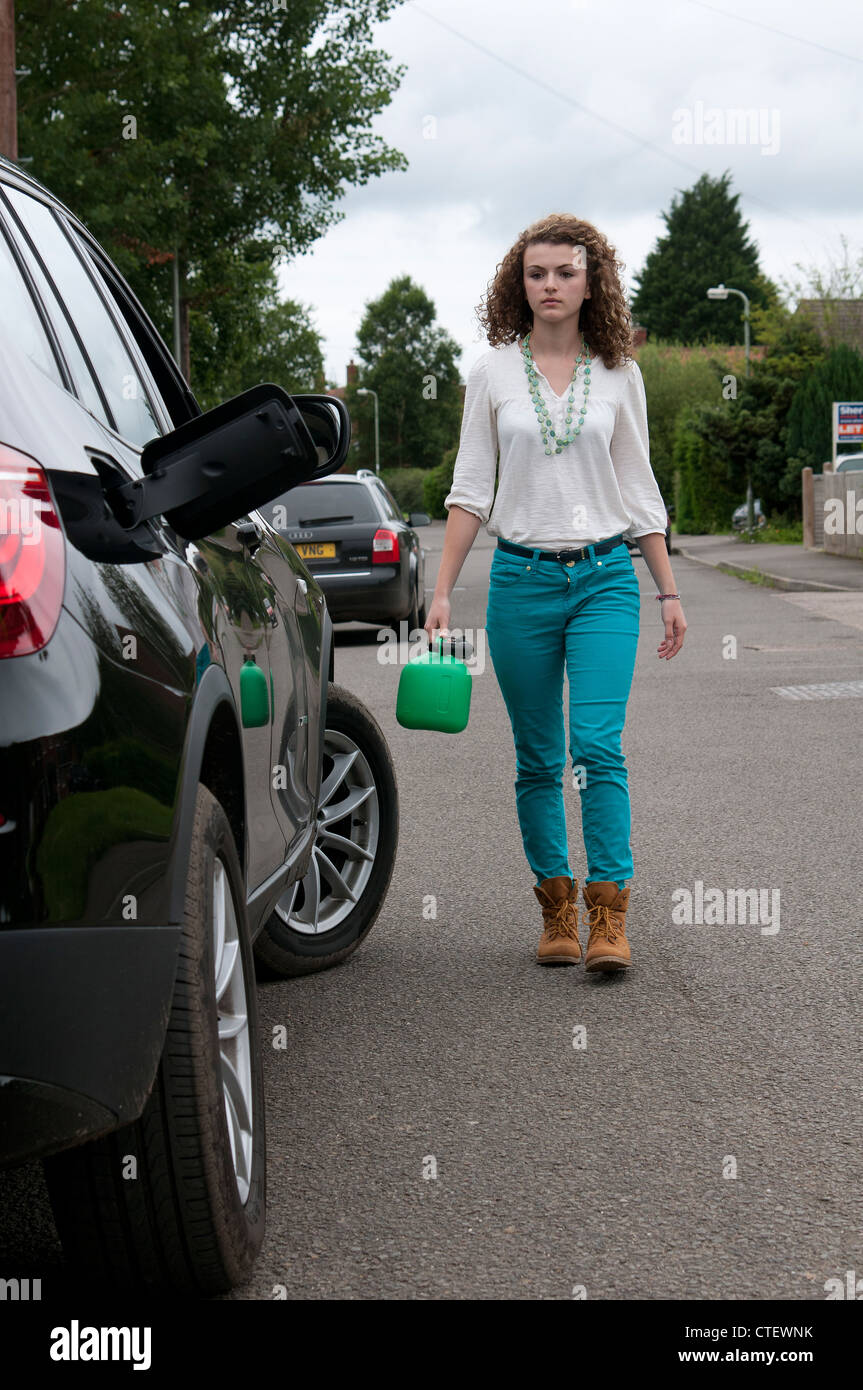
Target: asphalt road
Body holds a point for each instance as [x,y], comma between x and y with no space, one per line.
[434,1133]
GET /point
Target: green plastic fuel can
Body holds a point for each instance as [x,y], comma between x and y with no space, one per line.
[434,692]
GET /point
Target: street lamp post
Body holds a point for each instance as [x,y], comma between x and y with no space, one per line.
[722,292]
[367,391]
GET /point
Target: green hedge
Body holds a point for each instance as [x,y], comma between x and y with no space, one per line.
[424,489]
[704,495]
[406,486]
[675,378]
[437,483]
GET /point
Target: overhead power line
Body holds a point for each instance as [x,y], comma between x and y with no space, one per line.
[631,135]
[771,29]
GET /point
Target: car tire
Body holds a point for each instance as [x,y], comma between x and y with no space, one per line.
[176,1202]
[322,918]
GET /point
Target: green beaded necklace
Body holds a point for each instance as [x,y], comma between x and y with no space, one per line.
[545,425]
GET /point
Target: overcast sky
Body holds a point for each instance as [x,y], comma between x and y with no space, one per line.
[539,106]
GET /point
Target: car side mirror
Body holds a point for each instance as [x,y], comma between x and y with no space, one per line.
[236,457]
[328,421]
[419,519]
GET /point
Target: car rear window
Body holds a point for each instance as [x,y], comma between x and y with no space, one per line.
[21,322]
[323,504]
[133,415]
[85,384]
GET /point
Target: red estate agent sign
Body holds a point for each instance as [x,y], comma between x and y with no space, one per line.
[847,424]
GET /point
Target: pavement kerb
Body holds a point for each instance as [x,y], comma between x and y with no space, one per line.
[777,581]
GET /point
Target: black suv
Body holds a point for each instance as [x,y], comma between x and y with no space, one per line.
[183,789]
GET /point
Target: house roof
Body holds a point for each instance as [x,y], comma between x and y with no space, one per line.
[835,320]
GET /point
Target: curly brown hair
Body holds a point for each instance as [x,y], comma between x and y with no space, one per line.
[604,319]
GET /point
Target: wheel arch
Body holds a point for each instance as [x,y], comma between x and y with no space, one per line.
[326,675]
[213,755]
[328,646]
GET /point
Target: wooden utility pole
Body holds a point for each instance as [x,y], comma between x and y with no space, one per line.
[8,95]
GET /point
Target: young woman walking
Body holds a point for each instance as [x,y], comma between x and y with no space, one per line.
[560,398]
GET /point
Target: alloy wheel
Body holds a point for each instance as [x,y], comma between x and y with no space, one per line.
[234,1039]
[346,842]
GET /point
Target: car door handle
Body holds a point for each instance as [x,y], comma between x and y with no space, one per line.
[301,597]
[249,536]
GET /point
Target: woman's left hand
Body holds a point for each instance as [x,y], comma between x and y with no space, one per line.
[671,610]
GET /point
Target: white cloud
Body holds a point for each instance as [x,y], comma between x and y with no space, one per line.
[506,150]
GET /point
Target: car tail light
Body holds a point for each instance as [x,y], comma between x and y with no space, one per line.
[32,557]
[385,547]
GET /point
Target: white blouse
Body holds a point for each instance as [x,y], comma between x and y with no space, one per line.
[598,486]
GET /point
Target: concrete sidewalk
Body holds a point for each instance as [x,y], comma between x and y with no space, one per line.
[783,566]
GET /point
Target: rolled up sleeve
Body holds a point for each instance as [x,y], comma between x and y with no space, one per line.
[630,458]
[476,460]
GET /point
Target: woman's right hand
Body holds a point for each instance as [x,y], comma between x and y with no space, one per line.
[437,619]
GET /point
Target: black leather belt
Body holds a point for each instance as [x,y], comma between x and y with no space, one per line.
[569,557]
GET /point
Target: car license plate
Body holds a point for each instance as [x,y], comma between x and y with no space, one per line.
[317,550]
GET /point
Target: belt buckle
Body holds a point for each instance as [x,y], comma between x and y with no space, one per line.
[568,563]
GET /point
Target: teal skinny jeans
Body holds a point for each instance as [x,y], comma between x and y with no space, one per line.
[542,615]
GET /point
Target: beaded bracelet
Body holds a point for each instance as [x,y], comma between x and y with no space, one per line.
[662,596]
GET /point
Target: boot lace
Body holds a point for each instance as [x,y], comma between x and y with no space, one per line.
[562,920]
[602,922]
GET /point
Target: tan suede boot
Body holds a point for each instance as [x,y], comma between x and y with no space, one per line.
[559,943]
[608,948]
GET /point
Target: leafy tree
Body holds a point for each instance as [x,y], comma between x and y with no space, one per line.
[264,339]
[411,363]
[707,243]
[222,136]
[840,279]
[718,447]
[769,325]
[810,417]
[793,391]
[763,413]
